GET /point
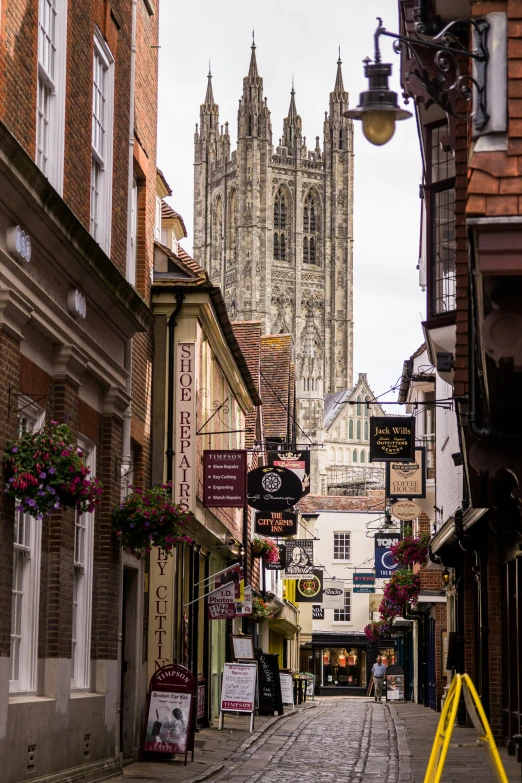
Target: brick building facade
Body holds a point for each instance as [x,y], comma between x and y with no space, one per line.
[471,269]
[75,333]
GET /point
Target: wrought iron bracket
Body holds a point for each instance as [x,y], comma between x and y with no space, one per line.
[448,83]
[12,396]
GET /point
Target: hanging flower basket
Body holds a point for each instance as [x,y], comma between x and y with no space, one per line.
[403,588]
[260,610]
[410,550]
[375,631]
[265,548]
[45,471]
[148,518]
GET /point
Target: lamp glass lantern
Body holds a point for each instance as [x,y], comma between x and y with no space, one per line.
[378,107]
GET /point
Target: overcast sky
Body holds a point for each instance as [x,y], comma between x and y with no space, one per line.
[301,40]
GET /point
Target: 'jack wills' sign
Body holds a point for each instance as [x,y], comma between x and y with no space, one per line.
[392,439]
[185,418]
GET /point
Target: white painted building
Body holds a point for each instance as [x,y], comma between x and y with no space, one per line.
[334,647]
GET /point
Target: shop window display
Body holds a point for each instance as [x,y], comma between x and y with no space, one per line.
[344,667]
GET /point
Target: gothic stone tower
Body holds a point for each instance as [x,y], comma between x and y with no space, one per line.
[274,229]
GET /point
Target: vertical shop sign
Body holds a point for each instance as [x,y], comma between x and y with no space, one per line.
[161,611]
[185,418]
[385,563]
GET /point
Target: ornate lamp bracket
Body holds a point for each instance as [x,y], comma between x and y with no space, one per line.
[444,80]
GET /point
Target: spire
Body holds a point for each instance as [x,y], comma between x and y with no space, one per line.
[292,111]
[339,86]
[252,71]
[209,97]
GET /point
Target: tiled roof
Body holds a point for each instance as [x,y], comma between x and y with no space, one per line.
[374,501]
[189,261]
[248,336]
[276,383]
[333,405]
[167,213]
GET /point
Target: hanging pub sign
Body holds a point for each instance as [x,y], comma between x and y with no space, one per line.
[170,704]
[318,612]
[299,560]
[275,523]
[406,510]
[407,479]
[364,582]
[333,597]
[392,439]
[385,563]
[224,479]
[309,589]
[279,564]
[273,489]
[298,462]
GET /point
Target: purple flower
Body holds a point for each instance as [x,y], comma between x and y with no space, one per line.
[57,504]
[14,449]
[51,471]
[41,494]
[19,508]
[39,516]
[131,524]
[30,502]
[11,479]
[42,475]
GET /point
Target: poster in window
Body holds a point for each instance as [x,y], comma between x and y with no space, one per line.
[168,722]
[299,558]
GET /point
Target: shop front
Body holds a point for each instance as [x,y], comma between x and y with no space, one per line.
[342,663]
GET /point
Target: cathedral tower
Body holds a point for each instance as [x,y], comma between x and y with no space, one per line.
[274,228]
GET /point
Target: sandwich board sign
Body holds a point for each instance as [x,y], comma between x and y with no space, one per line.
[170,719]
[238,690]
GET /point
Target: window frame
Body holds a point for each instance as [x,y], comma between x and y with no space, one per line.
[431,190]
[311,230]
[102,159]
[52,83]
[31,555]
[341,547]
[347,605]
[83,585]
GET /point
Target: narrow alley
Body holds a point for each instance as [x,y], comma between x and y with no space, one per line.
[346,740]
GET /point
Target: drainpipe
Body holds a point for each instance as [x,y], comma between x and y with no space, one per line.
[170,390]
[425,23]
[126,429]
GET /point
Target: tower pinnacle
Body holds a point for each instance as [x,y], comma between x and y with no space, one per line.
[339,86]
[252,71]
[209,97]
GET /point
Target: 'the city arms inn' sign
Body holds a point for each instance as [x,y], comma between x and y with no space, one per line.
[392,438]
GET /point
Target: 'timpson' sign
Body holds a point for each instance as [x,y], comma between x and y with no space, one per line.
[185,448]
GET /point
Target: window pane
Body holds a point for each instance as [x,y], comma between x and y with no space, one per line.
[341,546]
[442,161]
[42,125]
[47,37]
[95,197]
[98,106]
[444,250]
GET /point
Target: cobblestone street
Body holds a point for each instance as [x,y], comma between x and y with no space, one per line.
[328,741]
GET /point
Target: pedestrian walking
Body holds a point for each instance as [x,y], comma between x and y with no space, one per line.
[379,673]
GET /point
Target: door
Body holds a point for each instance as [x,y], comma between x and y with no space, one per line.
[512,650]
[431,687]
[129,728]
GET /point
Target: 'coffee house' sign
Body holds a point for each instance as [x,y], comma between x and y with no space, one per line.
[392,439]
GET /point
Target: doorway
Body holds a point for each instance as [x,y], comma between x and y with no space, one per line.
[129,719]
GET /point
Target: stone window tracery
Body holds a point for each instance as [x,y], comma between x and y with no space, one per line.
[310,230]
[280,226]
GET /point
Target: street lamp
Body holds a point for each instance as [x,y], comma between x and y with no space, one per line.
[435,65]
[378,108]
